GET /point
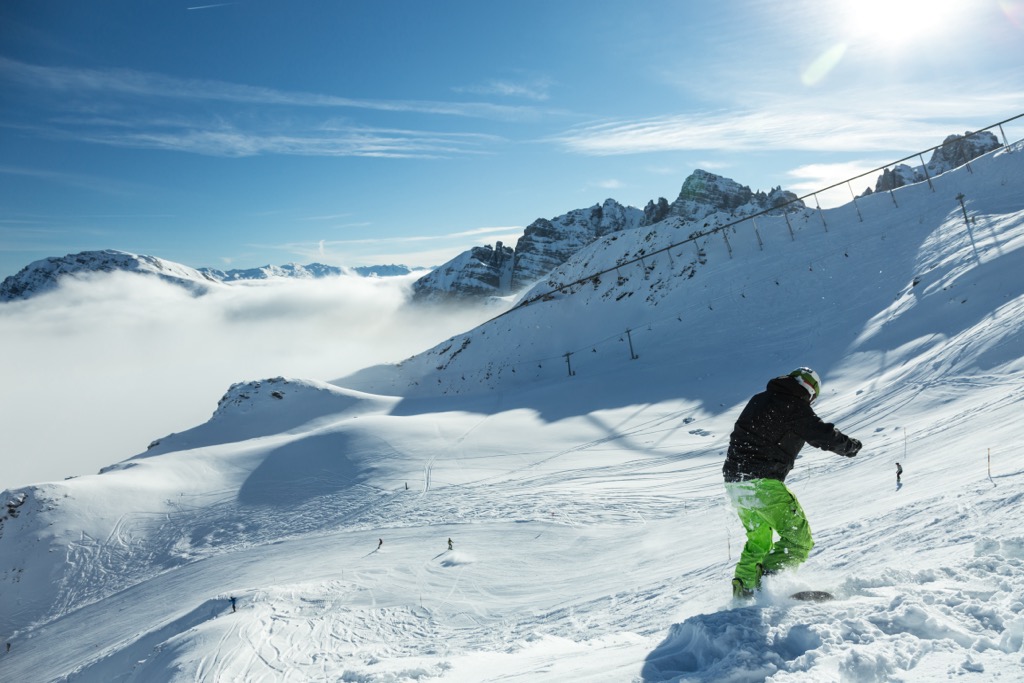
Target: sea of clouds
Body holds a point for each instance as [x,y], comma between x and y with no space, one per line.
[99,368]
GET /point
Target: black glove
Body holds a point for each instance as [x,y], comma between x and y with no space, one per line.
[853,449]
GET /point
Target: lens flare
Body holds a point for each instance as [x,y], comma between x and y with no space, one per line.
[824,64]
[1014,11]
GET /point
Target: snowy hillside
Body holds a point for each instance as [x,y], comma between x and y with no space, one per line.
[570,450]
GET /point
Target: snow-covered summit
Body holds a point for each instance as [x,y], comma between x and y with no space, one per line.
[44,275]
[704,193]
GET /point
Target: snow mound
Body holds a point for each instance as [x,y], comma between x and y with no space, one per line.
[272,406]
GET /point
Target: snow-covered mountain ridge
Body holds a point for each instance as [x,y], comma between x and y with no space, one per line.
[571,450]
[44,275]
[500,270]
[546,244]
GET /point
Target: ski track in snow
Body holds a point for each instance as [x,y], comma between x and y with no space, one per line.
[589,545]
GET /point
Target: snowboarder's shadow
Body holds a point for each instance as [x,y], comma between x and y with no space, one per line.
[899,485]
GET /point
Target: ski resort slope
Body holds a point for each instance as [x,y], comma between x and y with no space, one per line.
[590,536]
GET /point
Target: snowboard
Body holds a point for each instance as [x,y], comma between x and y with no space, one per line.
[812,596]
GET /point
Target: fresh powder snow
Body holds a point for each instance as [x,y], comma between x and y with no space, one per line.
[571,449]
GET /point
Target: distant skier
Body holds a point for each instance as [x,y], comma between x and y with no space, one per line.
[380,542]
[451,546]
[765,441]
[899,472]
[232,605]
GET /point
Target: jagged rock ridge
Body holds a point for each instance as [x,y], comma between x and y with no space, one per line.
[547,244]
[955,150]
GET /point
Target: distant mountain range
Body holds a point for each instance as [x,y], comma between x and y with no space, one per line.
[705,200]
[44,275]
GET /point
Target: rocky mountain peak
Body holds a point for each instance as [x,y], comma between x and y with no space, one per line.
[548,243]
[955,150]
[704,193]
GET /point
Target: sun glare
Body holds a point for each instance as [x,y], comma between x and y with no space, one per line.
[895,24]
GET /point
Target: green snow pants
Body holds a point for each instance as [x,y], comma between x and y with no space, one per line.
[766,508]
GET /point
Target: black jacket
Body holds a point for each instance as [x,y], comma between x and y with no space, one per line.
[773,428]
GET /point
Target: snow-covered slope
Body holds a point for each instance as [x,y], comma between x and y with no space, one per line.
[571,451]
[44,275]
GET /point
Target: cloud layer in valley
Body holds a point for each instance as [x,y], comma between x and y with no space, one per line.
[104,365]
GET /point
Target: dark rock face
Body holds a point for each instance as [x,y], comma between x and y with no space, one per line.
[547,244]
[956,150]
[705,193]
[479,272]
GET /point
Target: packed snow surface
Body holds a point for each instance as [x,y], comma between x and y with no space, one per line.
[571,450]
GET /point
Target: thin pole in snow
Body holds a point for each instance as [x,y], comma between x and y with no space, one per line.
[760,242]
[789,225]
[632,356]
[927,175]
[855,204]
[821,215]
[1005,143]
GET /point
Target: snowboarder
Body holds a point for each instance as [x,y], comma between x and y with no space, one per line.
[899,472]
[768,435]
[232,604]
[450,545]
[380,542]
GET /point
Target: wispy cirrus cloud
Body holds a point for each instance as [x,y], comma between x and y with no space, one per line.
[127,108]
[404,239]
[413,250]
[876,122]
[534,89]
[146,84]
[350,141]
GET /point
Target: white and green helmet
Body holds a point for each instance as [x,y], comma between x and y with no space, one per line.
[809,380]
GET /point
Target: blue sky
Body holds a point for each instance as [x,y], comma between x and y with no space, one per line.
[359,132]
